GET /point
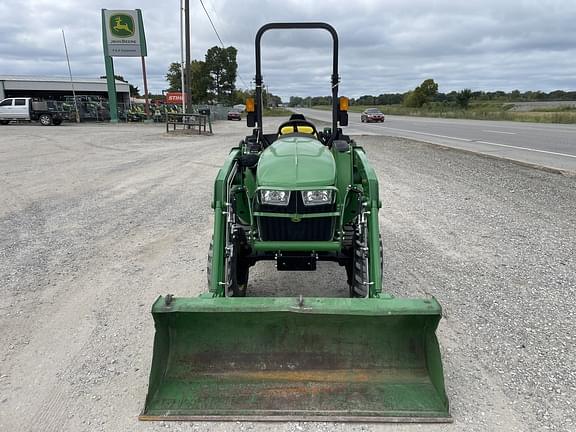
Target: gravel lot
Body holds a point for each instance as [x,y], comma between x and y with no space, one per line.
[97,220]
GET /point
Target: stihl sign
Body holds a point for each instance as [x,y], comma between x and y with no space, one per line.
[174,97]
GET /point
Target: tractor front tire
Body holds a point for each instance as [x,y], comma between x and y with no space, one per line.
[238,273]
[359,278]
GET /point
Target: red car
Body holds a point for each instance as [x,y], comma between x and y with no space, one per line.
[371,115]
[234,115]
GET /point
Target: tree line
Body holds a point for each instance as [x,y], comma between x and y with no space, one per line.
[427,92]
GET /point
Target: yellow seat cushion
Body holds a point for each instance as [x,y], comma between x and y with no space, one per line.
[300,129]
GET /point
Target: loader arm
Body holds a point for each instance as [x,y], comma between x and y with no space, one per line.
[369,183]
[220,204]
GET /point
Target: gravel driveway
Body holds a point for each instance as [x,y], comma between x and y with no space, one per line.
[96,221]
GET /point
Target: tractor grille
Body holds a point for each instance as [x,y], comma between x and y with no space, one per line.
[283,229]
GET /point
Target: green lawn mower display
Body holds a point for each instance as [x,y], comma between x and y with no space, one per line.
[298,196]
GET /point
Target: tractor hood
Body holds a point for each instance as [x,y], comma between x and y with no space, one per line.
[296,163]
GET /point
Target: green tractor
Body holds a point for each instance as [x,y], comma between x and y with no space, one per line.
[297,196]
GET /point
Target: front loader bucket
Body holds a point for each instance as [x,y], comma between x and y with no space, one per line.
[288,359]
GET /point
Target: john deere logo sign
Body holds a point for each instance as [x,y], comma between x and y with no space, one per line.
[121,25]
[123,33]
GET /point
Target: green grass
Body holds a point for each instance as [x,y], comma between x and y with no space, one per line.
[276,112]
[476,111]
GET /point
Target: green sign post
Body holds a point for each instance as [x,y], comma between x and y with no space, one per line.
[122,36]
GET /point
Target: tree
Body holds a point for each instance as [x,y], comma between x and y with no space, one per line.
[240,96]
[429,89]
[463,98]
[222,67]
[296,101]
[134,91]
[365,100]
[199,82]
[414,98]
[174,77]
[422,94]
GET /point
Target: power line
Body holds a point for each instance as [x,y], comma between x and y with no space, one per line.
[213,26]
[220,39]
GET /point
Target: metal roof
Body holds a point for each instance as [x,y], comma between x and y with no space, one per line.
[59,80]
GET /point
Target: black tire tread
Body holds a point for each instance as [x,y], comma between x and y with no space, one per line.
[358,288]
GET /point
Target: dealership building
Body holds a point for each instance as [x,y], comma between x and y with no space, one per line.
[56,88]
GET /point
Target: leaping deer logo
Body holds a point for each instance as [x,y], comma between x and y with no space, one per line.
[122,25]
[119,26]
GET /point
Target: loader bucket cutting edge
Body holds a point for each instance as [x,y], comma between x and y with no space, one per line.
[323,359]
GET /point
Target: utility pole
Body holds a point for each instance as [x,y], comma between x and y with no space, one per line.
[71,80]
[182,80]
[187,80]
[147,105]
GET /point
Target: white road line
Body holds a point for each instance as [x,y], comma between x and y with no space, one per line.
[480,142]
[541,127]
[429,134]
[421,133]
[500,132]
[527,149]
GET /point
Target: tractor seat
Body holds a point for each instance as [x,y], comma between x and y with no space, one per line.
[297,125]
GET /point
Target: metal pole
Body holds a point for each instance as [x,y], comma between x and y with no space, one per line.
[71,80]
[110,79]
[146,106]
[187,28]
[182,85]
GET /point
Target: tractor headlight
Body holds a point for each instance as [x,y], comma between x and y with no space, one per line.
[317,197]
[275,197]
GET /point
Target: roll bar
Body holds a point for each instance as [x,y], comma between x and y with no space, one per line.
[335,77]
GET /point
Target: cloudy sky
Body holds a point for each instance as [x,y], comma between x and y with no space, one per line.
[386,45]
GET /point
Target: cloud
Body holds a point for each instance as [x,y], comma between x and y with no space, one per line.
[385,46]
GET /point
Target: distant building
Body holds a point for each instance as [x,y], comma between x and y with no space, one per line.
[57,88]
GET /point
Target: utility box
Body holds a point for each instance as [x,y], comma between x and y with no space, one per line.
[40,106]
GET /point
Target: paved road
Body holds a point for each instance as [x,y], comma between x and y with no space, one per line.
[549,145]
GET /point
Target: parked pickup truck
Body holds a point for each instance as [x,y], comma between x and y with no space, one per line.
[27,109]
